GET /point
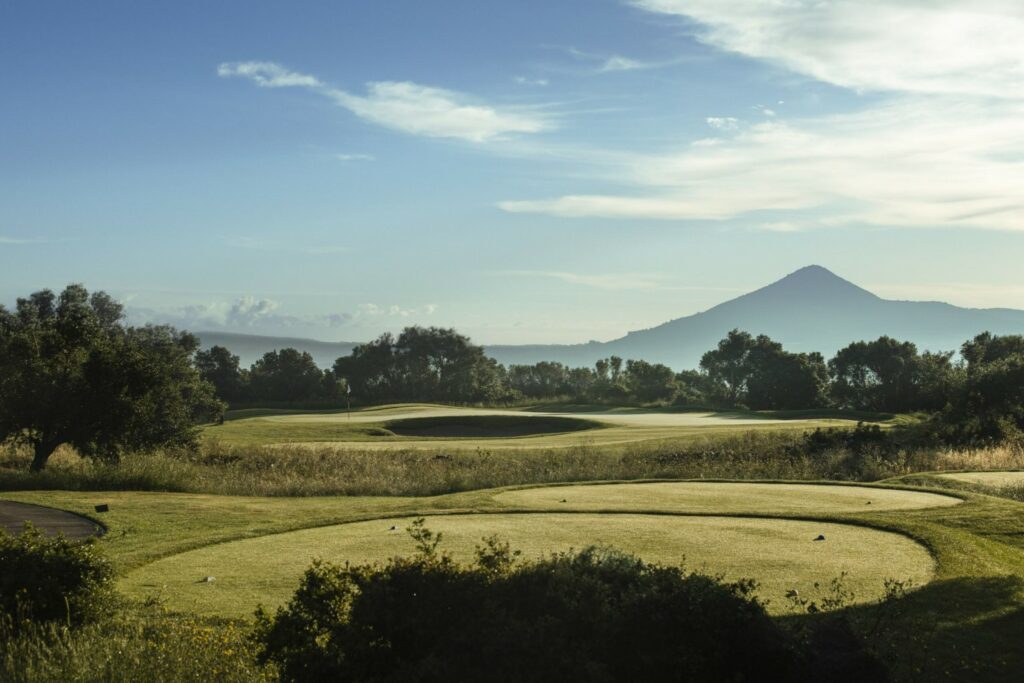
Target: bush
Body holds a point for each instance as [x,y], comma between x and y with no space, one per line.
[52,579]
[594,615]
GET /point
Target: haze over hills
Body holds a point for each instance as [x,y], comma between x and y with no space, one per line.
[811,309]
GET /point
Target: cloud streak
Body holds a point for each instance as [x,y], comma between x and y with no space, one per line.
[919,46]
[944,148]
[404,106]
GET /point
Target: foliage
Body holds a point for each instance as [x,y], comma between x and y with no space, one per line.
[52,579]
[72,373]
[289,375]
[595,615]
[220,367]
[422,364]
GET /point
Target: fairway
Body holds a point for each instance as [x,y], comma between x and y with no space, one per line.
[408,426]
[779,554]
[997,479]
[723,497]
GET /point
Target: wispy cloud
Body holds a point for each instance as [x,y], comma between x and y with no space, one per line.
[605,63]
[525,80]
[354,157]
[945,147]
[921,46]
[19,240]
[259,314]
[723,122]
[404,106]
[620,63]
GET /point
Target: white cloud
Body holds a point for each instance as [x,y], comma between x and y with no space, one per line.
[944,149]
[404,106]
[524,80]
[922,46]
[268,75]
[355,157]
[723,122]
[19,240]
[915,162]
[249,310]
[619,63]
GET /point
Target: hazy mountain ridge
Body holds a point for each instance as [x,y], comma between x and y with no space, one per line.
[811,309]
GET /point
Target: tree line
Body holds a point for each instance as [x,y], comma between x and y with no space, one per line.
[983,387]
[72,372]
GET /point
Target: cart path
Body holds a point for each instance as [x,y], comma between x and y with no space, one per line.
[49,520]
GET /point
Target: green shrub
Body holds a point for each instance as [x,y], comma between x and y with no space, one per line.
[594,615]
[52,579]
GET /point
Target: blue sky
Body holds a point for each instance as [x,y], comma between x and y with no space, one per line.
[525,172]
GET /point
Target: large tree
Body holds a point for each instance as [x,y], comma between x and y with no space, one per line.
[878,375]
[727,365]
[71,372]
[218,366]
[422,364]
[290,375]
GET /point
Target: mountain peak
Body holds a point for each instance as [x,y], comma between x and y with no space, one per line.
[817,283]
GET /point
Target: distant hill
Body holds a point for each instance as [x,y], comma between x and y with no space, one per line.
[809,310]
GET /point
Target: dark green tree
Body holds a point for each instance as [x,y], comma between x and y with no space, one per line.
[879,375]
[779,380]
[288,375]
[988,348]
[72,373]
[221,368]
[422,364]
[650,381]
[727,365]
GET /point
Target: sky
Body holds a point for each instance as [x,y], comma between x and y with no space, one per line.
[539,171]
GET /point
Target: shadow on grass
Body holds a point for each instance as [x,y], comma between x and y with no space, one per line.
[964,629]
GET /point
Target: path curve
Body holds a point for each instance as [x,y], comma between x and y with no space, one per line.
[49,520]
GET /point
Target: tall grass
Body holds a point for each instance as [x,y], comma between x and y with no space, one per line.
[130,647]
[318,470]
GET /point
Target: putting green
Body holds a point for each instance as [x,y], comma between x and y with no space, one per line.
[452,428]
[712,497]
[996,479]
[780,554]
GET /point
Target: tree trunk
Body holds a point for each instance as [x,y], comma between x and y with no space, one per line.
[43,451]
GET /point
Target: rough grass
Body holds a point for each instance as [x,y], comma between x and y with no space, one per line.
[780,554]
[319,471]
[132,647]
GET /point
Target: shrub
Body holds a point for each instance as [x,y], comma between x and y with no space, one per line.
[52,579]
[594,615]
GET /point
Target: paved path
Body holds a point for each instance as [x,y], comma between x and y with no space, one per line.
[14,515]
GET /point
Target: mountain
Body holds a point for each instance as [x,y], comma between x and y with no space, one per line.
[809,310]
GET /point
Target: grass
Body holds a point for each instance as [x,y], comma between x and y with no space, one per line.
[494,429]
[780,554]
[973,609]
[723,497]
[993,479]
[311,470]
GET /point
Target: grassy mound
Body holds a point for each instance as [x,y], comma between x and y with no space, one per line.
[488,426]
